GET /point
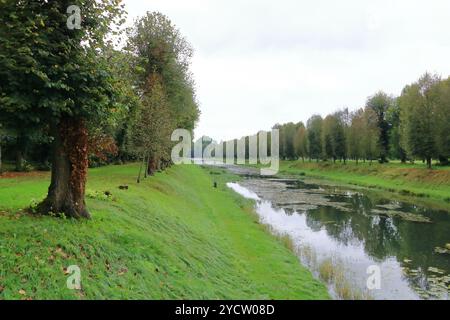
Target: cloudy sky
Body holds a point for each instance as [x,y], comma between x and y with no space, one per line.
[261,62]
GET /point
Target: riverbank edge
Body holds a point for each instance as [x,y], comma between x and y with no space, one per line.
[331,272]
[406,192]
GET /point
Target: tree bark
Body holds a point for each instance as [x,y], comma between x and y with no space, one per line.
[158,165]
[1,163]
[21,145]
[403,158]
[19,160]
[140,169]
[153,165]
[442,160]
[146,166]
[429,162]
[66,194]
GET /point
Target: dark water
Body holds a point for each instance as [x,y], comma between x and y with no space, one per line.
[360,230]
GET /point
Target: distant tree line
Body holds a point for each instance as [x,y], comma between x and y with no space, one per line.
[413,126]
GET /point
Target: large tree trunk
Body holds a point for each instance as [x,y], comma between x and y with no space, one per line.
[158,165]
[442,160]
[140,169]
[19,160]
[429,162]
[69,170]
[146,166]
[152,165]
[403,157]
[21,145]
[1,163]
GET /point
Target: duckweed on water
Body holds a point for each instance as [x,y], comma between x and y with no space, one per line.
[442,250]
[402,215]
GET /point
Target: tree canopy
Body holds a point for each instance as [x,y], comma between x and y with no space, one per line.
[73,88]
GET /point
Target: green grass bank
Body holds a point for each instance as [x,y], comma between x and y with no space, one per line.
[173,236]
[409,180]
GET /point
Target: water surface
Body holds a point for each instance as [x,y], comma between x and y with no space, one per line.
[357,230]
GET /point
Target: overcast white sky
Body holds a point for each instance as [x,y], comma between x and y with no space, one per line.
[261,62]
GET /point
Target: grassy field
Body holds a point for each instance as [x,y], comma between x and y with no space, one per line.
[404,179]
[173,236]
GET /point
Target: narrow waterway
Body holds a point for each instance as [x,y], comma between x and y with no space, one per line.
[357,234]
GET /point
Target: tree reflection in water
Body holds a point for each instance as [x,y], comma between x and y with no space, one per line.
[353,220]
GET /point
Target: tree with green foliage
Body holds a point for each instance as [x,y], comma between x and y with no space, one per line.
[333,137]
[314,127]
[58,79]
[164,56]
[396,150]
[418,110]
[370,135]
[152,126]
[328,146]
[355,136]
[339,136]
[443,122]
[161,49]
[126,81]
[380,103]
[287,141]
[301,142]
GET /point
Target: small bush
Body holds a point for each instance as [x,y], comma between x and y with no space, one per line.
[98,195]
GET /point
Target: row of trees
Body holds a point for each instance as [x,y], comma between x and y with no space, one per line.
[166,89]
[415,125]
[70,98]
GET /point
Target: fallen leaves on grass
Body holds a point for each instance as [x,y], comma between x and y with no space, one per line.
[122,271]
[61,253]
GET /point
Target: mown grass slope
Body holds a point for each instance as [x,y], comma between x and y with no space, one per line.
[173,236]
